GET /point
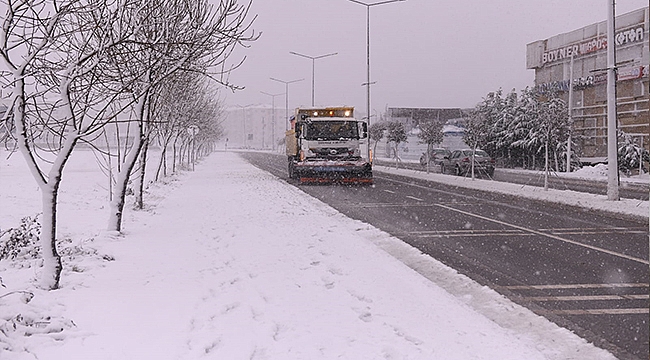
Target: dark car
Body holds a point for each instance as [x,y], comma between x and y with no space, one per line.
[460,163]
[436,157]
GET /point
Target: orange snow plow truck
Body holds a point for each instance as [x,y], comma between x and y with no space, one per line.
[328,145]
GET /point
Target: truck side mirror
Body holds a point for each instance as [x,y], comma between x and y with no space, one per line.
[298,130]
[364,130]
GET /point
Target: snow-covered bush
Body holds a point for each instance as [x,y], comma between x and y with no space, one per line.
[630,154]
[21,242]
[20,320]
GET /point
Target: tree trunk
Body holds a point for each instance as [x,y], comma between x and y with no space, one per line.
[161,162]
[546,169]
[51,273]
[141,176]
[121,183]
[175,155]
[396,155]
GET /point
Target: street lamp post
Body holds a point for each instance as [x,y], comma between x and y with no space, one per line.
[612,156]
[313,65]
[368,83]
[286,98]
[273,116]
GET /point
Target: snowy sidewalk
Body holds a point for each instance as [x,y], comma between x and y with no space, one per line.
[236,264]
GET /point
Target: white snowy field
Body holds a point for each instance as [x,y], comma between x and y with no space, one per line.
[228,262]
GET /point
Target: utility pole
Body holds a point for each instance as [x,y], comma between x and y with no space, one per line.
[612,148]
[313,65]
[568,145]
[368,83]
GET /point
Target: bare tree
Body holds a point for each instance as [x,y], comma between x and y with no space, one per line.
[376,133]
[76,66]
[45,45]
[194,37]
[396,134]
[430,134]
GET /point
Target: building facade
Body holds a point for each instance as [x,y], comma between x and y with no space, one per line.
[583,53]
[256,126]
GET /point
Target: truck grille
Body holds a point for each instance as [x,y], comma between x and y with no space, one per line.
[327,152]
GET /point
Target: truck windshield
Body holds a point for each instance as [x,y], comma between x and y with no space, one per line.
[331,130]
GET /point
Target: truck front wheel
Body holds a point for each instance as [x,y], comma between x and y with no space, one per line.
[292,171]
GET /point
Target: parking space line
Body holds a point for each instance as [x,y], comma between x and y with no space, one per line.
[381,205]
[555,237]
[597,312]
[587,298]
[575,286]
[589,231]
[486,231]
[467,233]
[414,198]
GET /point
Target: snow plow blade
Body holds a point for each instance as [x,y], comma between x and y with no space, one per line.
[328,172]
[342,180]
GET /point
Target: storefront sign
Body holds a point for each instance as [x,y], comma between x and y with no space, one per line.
[629,73]
[623,37]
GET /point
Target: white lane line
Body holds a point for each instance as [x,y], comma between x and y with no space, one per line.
[575,286]
[587,297]
[461,233]
[420,205]
[389,191]
[414,198]
[468,235]
[597,312]
[595,232]
[549,235]
[585,229]
[486,231]
[374,205]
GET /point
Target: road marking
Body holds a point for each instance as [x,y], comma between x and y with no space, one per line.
[389,191]
[414,198]
[595,232]
[461,233]
[574,286]
[469,235]
[597,312]
[587,297]
[646,262]
[380,205]
[472,231]
[590,231]
[594,229]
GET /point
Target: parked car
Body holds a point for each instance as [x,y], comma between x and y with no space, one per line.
[436,157]
[460,163]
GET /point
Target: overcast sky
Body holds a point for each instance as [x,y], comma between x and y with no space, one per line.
[424,53]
